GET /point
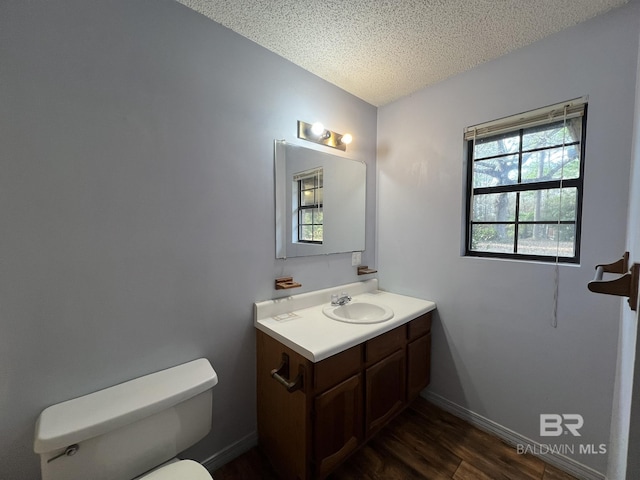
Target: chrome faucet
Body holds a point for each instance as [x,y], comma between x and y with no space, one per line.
[341,299]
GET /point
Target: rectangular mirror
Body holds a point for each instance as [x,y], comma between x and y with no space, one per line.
[320,202]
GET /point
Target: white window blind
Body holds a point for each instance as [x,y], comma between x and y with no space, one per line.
[574,108]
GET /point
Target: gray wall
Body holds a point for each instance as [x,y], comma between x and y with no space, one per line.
[495,352]
[136,141]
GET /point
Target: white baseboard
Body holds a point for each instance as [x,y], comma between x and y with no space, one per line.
[562,462]
[231,452]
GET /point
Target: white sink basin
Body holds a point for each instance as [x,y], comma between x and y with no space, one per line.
[359,312]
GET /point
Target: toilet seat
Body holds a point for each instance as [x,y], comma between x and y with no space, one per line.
[181,470]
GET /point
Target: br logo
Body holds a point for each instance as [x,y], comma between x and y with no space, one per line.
[554,425]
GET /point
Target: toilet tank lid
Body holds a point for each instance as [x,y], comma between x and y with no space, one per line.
[100,412]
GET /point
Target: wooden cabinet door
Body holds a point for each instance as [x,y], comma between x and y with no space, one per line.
[337,422]
[385,390]
[418,365]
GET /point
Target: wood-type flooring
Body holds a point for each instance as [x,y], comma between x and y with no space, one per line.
[423,442]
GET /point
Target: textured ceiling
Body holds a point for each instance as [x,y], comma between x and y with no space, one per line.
[381,50]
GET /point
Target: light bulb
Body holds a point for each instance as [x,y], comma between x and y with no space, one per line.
[347,138]
[317,128]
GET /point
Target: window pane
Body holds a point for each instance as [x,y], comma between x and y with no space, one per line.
[492,238]
[494,207]
[317,216]
[497,145]
[305,233]
[551,164]
[497,171]
[317,233]
[308,183]
[308,198]
[306,217]
[544,240]
[545,205]
[552,134]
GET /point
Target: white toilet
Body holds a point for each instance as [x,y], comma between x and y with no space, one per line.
[130,431]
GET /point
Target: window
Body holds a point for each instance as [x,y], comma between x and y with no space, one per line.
[524,185]
[309,190]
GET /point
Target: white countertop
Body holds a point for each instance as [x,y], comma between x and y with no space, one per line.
[298,322]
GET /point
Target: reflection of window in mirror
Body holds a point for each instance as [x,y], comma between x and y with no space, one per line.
[309,188]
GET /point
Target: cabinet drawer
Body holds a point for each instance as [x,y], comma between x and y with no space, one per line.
[419,326]
[336,368]
[381,346]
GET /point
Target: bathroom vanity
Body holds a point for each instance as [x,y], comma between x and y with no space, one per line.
[326,386]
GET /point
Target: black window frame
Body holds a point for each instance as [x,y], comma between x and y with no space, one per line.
[519,187]
[315,206]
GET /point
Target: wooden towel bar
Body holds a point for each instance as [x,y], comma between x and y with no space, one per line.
[624,286]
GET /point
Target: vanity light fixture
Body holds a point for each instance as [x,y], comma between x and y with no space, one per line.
[316,133]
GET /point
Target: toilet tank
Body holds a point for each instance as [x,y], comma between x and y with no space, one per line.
[123,431]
